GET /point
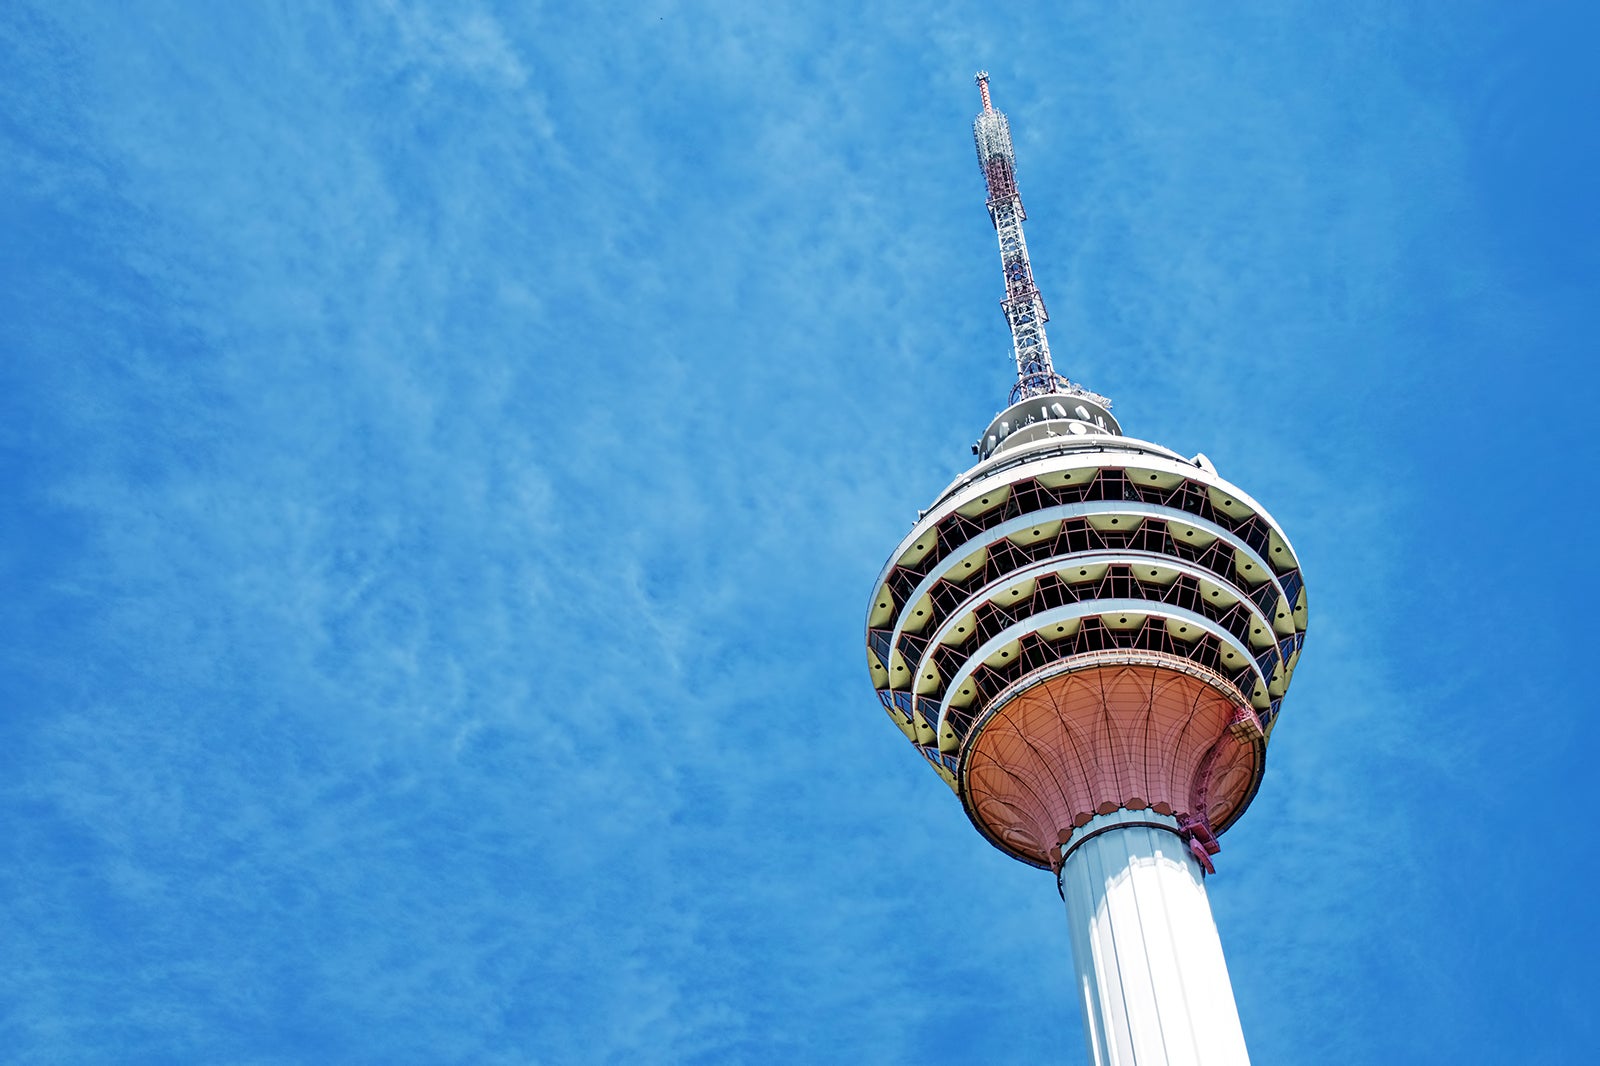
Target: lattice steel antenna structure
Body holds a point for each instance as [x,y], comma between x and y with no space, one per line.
[1089,637]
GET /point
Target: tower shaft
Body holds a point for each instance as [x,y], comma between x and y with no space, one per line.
[1151,978]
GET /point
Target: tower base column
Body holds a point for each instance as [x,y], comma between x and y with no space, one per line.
[1150,973]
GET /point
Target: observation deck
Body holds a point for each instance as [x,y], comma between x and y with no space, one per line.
[1085,622]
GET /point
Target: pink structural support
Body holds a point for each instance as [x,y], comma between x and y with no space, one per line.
[1133,735]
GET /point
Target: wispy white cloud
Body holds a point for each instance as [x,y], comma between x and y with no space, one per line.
[455,442]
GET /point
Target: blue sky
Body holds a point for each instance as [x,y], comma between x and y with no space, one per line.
[447,450]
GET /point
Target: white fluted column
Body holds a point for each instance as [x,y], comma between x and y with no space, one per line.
[1151,977]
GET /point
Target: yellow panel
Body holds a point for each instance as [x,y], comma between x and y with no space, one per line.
[1300,610]
[880,676]
[1249,571]
[925,733]
[1280,682]
[1259,698]
[1034,534]
[920,615]
[920,547]
[1154,575]
[1224,502]
[961,632]
[1015,593]
[1061,630]
[1216,595]
[987,502]
[1261,636]
[1186,534]
[963,696]
[1004,656]
[1083,575]
[1283,618]
[905,727]
[1188,632]
[929,681]
[968,568]
[1123,621]
[1057,479]
[899,675]
[1278,553]
[1104,522]
[1156,479]
[882,608]
[948,741]
[1231,660]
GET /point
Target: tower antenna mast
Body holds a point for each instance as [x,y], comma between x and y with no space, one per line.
[1023,305]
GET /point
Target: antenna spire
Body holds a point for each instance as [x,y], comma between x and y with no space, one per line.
[982,79]
[1023,305]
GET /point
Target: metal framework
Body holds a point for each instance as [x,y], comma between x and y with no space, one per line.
[1023,305]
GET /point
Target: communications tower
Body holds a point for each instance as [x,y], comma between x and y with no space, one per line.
[1088,636]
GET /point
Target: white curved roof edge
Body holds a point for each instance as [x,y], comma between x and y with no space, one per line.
[1089,442]
[1156,607]
[1078,612]
[947,503]
[1082,510]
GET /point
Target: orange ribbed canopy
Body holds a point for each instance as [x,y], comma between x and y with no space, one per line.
[1132,735]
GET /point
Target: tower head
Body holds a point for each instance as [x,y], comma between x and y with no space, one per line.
[1084,621]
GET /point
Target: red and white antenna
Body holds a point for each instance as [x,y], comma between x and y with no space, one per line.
[1023,305]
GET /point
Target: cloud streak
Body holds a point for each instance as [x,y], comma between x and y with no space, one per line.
[452,447]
